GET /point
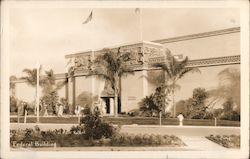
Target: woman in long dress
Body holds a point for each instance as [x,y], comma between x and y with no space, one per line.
[60,110]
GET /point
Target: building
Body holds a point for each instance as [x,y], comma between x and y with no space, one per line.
[210,51]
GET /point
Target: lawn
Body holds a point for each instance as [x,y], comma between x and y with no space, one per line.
[131,120]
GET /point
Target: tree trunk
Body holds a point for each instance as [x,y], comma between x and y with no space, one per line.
[160,114]
[174,114]
[116,93]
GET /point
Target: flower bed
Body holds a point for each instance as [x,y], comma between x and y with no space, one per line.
[228,141]
[145,140]
[77,138]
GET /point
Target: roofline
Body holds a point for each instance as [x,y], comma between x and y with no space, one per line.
[167,40]
[112,47]
[199,35]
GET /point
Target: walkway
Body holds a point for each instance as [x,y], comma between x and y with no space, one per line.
[199,143]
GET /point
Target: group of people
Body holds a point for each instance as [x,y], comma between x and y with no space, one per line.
[79,109]
[58,111]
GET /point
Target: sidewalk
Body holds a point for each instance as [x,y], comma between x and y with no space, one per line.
[199,143]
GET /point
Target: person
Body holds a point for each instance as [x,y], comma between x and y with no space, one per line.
[46,110]
[25,106]
[60,110]
[180,117]
[57,108]
[77,110]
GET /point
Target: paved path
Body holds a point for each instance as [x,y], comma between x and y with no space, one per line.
[181,130]
[199,143]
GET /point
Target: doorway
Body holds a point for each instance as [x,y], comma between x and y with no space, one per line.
[107,105]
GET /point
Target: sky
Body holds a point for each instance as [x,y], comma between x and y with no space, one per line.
[46,35]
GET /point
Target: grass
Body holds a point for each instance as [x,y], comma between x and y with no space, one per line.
[131,120]
[228,141]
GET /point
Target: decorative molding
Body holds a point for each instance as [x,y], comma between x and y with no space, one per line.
[199,35]
[208,62]
[59,76]
[227,60]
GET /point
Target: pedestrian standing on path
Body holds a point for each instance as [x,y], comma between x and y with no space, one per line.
[180,117]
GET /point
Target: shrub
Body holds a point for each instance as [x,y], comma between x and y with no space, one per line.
[77,129]
[134,112]
[76,137]
[155,103]
[144,140]
[94,126]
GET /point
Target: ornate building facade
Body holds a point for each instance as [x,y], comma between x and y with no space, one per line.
[143,55]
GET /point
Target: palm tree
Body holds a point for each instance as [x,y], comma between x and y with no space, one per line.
[174,70]
[47,82]
[13,85]
[50,84]
[31,77]
[111,66]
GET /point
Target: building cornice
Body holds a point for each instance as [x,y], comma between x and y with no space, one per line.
[207,62]
[198,35]
[122,46]
[216,61]
[59,76]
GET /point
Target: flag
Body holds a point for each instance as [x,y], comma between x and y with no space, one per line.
[89,18]
[137,10]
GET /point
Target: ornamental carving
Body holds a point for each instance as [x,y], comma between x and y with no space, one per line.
[153,55]
[83,64]
[135,55]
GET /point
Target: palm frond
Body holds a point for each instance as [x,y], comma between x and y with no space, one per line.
[186,70]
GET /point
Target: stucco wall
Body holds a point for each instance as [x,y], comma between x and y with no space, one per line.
[215,46]
[132,91]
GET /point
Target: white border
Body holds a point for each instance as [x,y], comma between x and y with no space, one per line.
[244,11]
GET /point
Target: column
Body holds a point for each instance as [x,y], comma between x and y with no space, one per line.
[103,106]
[67,89]
[111,103]
[71,94]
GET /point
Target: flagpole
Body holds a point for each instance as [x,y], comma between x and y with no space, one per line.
[37,92]
[140,25]
[139,13]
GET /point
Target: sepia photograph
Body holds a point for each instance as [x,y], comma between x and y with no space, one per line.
[124,79]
